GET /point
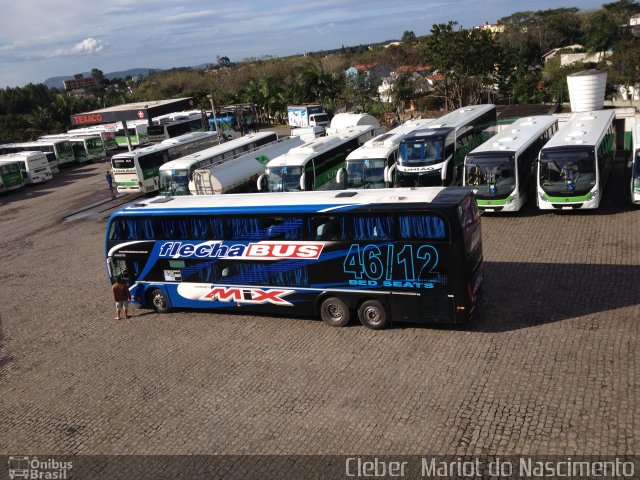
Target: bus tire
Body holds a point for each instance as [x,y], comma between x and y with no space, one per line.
[159,301]
[334,312]
[373,314]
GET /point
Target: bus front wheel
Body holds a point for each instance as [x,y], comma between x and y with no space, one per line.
[372,314]
[159,301]
[334,312]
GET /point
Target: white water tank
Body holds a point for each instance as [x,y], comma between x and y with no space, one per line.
[586,90]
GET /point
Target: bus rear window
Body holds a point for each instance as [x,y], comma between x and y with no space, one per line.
[126,162]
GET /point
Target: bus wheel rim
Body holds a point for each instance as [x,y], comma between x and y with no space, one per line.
[159,301]
[335,312]
[372,314]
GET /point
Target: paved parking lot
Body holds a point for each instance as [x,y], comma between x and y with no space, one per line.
[551,366]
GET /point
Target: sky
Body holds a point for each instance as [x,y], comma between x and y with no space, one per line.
[40,39]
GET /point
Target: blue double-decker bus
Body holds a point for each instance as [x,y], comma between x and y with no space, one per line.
[406,255]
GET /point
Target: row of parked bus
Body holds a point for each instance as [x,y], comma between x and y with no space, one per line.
[504,163]
[336,231]
[21,162]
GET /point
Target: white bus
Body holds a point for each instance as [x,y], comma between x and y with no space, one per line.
[137,171]
[34,166]
[635,166]
[136,131]
[434,155]
[372,164]
[175,124]
[108,138]
[176,175]
[573,167]
[501,170]
[239,174]
[314,165]
[86,148]
[58,151]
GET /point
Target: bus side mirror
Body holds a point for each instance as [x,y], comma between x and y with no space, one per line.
[340,176]
[389,173]
[262,182]
[443,172]
[385,174]
[302,177]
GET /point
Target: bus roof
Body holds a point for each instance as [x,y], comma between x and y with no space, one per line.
[299,156]
[20,156]
[177,117]
[35,143]
[382,145]
[296,202]
[453,120]
[517,136]
[69,136]
[582,129]
[188,137]
[188,160]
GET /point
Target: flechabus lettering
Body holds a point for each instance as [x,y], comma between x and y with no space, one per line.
[259,250]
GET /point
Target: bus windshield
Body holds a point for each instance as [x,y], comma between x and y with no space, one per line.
[174,182]
[567,172]
[368,173]
[411,179]
[284,179]
[427,151]
[491,176]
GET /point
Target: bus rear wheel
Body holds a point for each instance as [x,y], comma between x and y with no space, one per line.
[334,312]
[159,301]
[372,314]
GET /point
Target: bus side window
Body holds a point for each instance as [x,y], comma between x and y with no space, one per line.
[371,227]
[282,228]
[422,227]
[325,228]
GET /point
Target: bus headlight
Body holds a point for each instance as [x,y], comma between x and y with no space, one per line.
[511,201]
[542,196]
[593,196]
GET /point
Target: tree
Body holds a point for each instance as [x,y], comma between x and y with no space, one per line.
[99,77]
[601,32]
[624,67]
[468,59]
[408,36]
[224,62]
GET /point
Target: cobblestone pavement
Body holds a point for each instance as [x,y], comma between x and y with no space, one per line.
[550,367]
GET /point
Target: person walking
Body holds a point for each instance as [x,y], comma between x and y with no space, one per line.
[109,178]
[121,297]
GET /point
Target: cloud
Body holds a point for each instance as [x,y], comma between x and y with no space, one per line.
[87,46]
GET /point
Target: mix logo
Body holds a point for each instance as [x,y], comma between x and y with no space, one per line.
[244,296]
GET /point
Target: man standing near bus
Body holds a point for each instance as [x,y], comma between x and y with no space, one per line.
[109,178]
[121,297]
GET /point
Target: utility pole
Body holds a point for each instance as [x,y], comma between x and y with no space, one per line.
[213,112]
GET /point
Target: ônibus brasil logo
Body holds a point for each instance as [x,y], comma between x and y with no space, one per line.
[259,250]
